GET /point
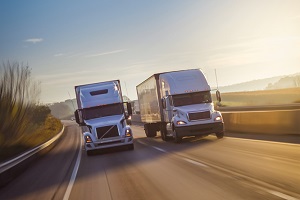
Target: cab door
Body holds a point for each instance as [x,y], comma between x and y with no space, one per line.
[168,108]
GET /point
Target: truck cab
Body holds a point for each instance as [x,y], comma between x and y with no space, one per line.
[178,104]
[102,116]
[187,105]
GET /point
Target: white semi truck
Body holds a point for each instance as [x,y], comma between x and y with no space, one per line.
[178,104]
[101,113]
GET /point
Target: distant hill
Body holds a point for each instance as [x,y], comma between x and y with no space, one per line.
[285,82]
[63,110]
[278,82]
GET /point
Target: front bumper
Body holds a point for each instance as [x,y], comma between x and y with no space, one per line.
[200,129]
[108,143]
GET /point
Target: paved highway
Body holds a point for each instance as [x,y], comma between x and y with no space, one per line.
[198,168]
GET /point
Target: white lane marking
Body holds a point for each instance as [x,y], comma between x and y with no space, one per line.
[159,149]
[195,162]
[142,143]
[263,141]
[74,173]
[281,195]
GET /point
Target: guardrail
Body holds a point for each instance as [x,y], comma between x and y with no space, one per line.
[265,122]
[10,169]
[275,119]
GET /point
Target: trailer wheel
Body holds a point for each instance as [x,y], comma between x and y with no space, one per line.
[220,135]
[150,130]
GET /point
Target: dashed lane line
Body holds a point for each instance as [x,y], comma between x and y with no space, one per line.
[281,195]
[273,192]
[195,162]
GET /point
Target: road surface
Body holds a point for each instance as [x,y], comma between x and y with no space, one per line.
[198,168]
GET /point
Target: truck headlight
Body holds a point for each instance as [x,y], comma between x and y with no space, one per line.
[180,122]
[88,139]
[218,118]
[128,133]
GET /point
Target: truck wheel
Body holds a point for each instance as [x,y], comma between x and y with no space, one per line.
[89,153]
[130,147]
[150,130]
[164,136]
[164,132]
[152,133]
[177,139]
[220,135]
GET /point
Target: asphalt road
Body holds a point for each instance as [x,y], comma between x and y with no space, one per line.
[198,168]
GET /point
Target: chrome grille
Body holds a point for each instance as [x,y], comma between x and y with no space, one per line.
[199,115]
[107,131]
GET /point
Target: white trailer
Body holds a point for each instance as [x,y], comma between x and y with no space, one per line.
[178,104]
[102,115]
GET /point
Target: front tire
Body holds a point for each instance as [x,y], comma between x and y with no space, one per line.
[220,135]
[177,139]
[163,133]
[89,153]
[130,147]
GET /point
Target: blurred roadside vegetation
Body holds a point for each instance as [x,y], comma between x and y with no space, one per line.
[24,123]
[260,97]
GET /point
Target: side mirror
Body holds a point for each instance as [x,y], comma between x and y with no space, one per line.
[218,96]
[129,109]
[174,110]
[78,117]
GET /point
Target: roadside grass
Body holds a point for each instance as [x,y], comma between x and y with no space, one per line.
[260,98]
[35,136]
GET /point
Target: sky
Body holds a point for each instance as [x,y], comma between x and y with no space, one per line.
[74,42]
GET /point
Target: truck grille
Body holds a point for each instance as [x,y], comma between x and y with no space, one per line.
[107,131]
[199,115]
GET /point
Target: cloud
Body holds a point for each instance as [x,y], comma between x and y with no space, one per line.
[58,55]
[267,50]
[34,40]
[105,53]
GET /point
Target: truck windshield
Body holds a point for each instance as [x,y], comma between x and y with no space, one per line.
[103,111]
[191,98]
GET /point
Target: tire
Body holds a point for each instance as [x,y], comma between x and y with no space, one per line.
[163,135]
[130,147]
[220,135]
[89,153]
[150,130]
[177,139]
[163,132]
